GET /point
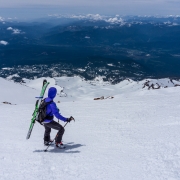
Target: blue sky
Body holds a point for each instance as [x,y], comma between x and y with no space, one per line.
[121,7]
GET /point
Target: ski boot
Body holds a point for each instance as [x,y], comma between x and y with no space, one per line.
[60,145]
[47,143]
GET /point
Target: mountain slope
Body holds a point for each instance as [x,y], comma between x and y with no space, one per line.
[133,136]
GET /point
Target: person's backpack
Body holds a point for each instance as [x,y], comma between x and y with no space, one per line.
[42,112]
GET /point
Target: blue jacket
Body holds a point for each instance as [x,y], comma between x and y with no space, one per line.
[51,108]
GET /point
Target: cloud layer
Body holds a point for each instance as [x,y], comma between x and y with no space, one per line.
[15,31]
[3,42]
[1,18]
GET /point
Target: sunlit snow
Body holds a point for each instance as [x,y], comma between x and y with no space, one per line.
[132,136]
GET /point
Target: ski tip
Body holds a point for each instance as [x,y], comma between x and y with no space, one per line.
[44,82]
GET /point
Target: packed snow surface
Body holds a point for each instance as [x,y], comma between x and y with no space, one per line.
[133,136]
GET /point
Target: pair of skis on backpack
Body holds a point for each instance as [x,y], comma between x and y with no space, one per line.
[36,110]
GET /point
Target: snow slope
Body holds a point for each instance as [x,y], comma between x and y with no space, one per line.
[134,136]
[16,93]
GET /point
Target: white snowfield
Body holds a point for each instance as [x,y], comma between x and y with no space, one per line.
[133,136]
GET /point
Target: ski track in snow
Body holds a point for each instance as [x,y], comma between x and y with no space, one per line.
[134,136]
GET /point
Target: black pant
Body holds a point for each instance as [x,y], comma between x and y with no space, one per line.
[56,126]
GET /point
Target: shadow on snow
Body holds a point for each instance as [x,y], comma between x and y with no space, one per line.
[68,149]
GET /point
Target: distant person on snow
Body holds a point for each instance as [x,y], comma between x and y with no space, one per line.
[49,123]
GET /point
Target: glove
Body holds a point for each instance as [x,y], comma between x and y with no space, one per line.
[70,119]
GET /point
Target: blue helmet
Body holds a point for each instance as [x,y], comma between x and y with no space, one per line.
[52,92]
